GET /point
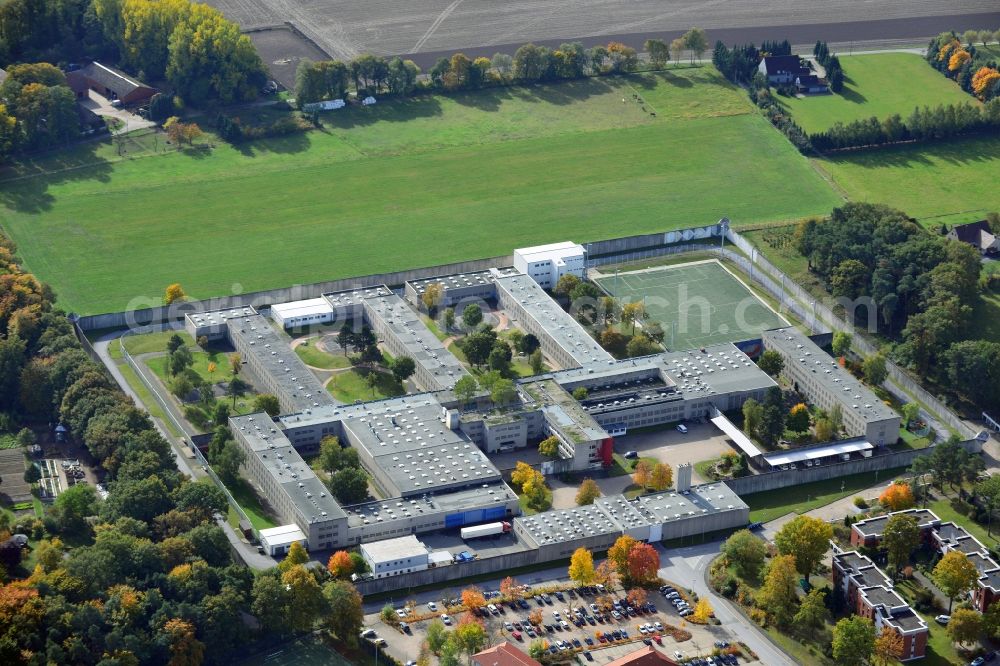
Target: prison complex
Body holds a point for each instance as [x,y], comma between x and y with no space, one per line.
[429,454]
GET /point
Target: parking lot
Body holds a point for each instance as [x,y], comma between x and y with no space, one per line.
[598,627]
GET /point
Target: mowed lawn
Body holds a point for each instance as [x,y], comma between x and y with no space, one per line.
[876,85]
[953,181]
[387,195]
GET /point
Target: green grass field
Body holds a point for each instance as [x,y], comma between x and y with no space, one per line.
[223,370]
[316,357]
[953,181]
[771,504]
[876,85]
[457,177]
[708,304]
[350,386]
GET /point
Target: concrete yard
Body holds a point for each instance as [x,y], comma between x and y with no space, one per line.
[432,27]
[701,442]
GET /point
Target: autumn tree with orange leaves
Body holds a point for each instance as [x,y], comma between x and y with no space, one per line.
[618,553]
[986,83]
[340,564]
[185,649]
[643,563]
[472,597]
[510,588]
[957,59]
[636,597]
[897,497]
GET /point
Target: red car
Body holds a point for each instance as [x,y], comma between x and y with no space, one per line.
[516,635]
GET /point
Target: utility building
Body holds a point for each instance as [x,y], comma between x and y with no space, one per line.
[545,264]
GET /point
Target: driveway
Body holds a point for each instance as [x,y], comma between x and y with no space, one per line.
[102,107]
[688,567]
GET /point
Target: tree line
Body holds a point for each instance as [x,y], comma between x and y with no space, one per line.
[831,63]
[924,124]
[149,577]
[37,109]
[924,288]
[201,55]
[371,74]
[957,57]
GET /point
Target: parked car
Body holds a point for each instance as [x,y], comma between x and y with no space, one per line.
[681,428]
[943,619]
[631,455]
[516,635]
[446,618]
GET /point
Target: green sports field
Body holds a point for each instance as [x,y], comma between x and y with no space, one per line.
[952,182]
[697,304]
[431,181]
[876,85]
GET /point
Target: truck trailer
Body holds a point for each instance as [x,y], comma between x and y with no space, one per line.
[489,529]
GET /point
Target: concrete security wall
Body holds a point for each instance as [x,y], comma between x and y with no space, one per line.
[261,299]
[630,244]
[793,477]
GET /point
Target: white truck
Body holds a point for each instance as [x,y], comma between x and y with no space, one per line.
[488,529]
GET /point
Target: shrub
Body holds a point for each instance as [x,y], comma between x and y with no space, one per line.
[860,502]
[195,416]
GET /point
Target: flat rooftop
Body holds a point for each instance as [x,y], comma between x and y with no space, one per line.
[875,526]
[816,453]
[456,281]
[852,560]
[311,499]
[853,396]
[542,252]
[563,411]
[740,438]
[304,308]
[714,369]
[982,562]
[556,322]
[418,453]
[420,344]
[950,532]
[615,514]
[560,525]
[399,548]
[218,317]
[699,501]
[968,545]
[404,508]
[349,298]
[906,620]
[296,383]
[991,579]
[881,595]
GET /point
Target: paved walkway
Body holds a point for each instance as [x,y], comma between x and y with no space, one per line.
[188,467]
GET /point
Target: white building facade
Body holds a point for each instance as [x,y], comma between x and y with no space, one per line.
[547,263]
